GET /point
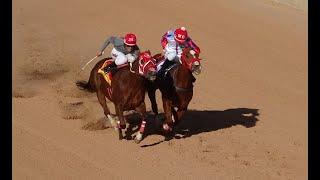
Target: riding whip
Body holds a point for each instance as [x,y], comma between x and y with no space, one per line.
[90,61]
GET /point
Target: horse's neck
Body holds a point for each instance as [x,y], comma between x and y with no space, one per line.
[158,57]
[182,77]
[135,66]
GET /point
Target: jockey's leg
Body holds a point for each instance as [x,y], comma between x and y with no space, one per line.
[119,59]
[170,57]
[164,66]
[109,67]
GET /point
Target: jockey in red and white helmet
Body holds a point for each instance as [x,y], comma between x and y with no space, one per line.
[173,43]
[124,50]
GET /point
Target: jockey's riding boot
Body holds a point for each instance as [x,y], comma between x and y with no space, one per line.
[164,66]
[110,67]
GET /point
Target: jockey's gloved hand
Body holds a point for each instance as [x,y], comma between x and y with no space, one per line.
[130,58]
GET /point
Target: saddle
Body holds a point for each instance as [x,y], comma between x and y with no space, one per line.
[108,76]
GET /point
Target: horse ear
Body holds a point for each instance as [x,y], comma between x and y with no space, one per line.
[148,51]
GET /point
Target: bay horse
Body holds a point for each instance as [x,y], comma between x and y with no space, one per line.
[127,90]
[176,87]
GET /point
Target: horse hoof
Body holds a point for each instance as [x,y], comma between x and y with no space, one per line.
[138,138]
[166,128]
[113,122]
[137,141]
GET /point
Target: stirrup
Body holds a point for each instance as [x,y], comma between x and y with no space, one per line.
[106,70]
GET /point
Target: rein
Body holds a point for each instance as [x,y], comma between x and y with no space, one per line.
[133,71]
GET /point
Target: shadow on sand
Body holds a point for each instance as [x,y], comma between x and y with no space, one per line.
[196,122]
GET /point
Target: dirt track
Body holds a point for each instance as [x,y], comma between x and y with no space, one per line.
[255,58]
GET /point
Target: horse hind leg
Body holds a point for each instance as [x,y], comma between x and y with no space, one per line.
[142,111]
[103,103]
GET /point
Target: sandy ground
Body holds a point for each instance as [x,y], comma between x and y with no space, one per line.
[255,57]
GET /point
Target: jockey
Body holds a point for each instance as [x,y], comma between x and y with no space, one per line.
[173,43]
[124,50]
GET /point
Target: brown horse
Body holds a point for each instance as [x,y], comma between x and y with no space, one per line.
[127,90]
[176,87]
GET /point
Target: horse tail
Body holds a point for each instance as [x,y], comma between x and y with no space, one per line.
[84,85]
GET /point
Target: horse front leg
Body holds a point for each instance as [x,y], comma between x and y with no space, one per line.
[168,123]
[142,111]
[152,97]
[178,116]
[121,124]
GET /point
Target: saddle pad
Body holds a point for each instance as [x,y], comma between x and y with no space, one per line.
[108,76]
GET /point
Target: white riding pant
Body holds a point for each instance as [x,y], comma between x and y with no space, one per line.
[172,55]
[120,58]
[172,51]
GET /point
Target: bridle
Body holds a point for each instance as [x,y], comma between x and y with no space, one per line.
[141,66]
[188,66]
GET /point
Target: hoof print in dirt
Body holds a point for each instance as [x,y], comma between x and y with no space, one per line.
[93,126]
[20,93]
[73,111]
[41,71]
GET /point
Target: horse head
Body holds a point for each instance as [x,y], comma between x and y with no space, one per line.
[147,65]
[190,59]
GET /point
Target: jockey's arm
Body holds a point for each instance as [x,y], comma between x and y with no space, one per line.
[193,46]
[164,40]
[132,56]
[107,42]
